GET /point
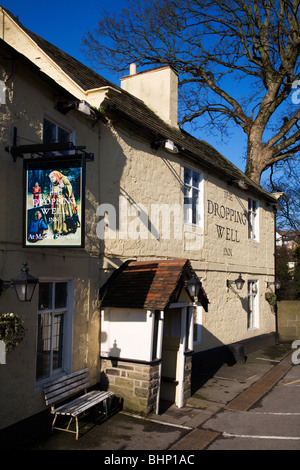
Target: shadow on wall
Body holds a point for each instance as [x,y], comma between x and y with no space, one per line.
[206,363]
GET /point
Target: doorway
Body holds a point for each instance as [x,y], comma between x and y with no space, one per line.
[170,373]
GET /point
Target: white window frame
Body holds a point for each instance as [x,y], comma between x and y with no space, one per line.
[253,305]
[253,219]
[197,330]
[188,210]
[68,327]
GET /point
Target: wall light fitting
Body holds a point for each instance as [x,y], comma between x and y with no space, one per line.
[24,284]
[276,283]
[239,282]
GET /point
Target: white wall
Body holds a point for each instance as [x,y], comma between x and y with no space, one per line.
[127,333]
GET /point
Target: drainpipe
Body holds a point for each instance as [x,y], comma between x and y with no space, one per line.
[180,402]
[159,355]
[275,265]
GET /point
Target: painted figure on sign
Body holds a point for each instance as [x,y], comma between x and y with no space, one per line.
[36,191]
[64,209]
[37,228]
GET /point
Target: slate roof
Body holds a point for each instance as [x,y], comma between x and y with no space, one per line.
[150,285]
[135,113]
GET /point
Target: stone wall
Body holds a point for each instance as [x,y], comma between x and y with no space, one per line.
[136,384]
[288,320]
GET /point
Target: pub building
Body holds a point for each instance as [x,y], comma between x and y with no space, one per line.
[150,251]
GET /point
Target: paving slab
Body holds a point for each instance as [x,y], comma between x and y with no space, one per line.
[198,439]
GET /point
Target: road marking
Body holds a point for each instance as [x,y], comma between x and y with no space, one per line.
[273,413]
[269,360]
[157,421]
[247,436]
[294,381]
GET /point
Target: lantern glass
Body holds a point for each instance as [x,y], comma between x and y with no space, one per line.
[24,284]
[239,282]
[193,286]
[277,284]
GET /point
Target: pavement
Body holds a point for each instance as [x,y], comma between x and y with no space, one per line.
[249,405]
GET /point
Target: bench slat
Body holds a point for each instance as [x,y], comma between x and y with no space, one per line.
[81,404]
[66,382]
[52,400]
[67,377]
[66,386]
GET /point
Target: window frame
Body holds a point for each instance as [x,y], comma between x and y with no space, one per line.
[197,327]
[58,124]
[253,220]
[187,209]
[67,311]
[253,305]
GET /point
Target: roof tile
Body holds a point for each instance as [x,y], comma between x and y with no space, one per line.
[146,284]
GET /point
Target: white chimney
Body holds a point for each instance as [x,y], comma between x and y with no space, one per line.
[132,69]
[158,88]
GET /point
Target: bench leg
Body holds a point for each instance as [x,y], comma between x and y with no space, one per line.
[77,427]
[107,402]
[69,423]
[53,422]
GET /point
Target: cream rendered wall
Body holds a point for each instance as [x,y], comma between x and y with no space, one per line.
[158,88]
[27,98]
[226,320]
[143,178]
[146,182]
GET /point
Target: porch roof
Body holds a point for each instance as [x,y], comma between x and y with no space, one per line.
[151,285]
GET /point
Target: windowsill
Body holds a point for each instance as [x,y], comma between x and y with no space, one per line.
[254,240]
[40,383]
[190,224]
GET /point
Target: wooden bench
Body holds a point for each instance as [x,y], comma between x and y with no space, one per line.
[69,385]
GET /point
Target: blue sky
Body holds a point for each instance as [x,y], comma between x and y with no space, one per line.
[65,23]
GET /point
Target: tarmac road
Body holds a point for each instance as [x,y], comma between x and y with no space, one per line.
[273,423]
[250,406]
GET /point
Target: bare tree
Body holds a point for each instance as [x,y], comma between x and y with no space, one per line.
[285,177]
[237,60]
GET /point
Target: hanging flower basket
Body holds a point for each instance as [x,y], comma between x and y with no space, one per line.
[271,298]
[12,330]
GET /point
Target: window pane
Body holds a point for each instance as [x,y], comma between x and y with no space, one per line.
[58,330]
[43,346]
[61,290]
[187,205]
[187,176]
[63,135]
[49,131]
[45,295]
[196,179]
[195,206]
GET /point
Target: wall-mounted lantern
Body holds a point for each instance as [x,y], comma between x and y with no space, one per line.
[239,282]
[276,283]
[24,284]
[192,287]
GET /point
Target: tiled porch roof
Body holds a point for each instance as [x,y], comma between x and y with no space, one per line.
[150,285]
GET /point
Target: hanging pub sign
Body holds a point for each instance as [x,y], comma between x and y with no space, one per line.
[54,202]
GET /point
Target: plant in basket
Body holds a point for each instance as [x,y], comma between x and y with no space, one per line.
[12,330]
